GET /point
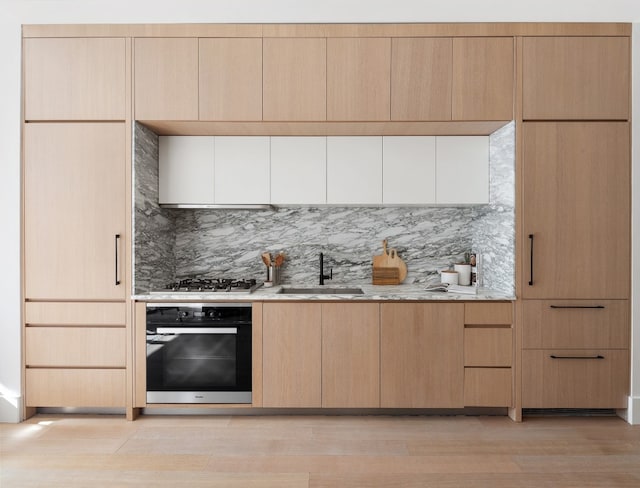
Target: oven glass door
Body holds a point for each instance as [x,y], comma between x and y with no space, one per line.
[198,360]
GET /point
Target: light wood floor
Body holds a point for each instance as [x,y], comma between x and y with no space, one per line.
[319,451]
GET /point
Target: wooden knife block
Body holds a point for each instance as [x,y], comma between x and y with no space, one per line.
[386,276]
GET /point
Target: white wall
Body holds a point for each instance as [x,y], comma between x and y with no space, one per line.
[13,13]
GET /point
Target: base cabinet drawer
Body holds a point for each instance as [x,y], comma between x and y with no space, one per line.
[575,378]
[487,387]
[582,324]
[488,346]
[75,387]
[89,347]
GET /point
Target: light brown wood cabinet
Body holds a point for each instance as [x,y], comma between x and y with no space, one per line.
[75,354]
[358,79]
[421,78]
[583,324]
[350,355]
[576,210]
[488,354]
[295,79]
[584,378]
[576,78]
[421,361]
[291,351]
[74,79]
[483,78]
[74,211]
[230,79]
[166,78]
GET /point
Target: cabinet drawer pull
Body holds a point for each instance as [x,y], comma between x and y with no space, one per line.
[117,277]
[577,306]
[552,356]
[531,261]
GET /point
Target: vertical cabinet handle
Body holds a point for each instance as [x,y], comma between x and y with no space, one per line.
[117,242]
[531,261]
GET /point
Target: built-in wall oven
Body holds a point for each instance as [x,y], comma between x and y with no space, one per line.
[198,353]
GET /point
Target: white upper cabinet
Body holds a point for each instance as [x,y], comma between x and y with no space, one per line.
[241,170]
[408,170]
[298,170]
[462,169]
[354,170]
[186,170]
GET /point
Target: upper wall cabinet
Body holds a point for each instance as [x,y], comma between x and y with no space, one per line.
[185,170]
[462,170]
[483,76]
[230,79]
[421,78]
[166,79]
[408,170]
[575,78]
[298,170]
[242,170]
[75,79]
[295,79]
[354,170]
[358,78]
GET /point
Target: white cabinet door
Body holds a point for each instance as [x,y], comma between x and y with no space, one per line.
[462,169]
[408,170]
[186,170]
[241,170]
[354,170]
[298,170]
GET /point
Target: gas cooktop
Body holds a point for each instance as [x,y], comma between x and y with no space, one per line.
[209,285]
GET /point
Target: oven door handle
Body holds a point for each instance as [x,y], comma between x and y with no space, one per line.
[196,330]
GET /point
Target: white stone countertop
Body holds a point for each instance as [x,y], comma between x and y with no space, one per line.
[403,292]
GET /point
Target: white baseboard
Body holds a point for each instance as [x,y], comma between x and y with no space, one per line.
[632,413]
[10,409]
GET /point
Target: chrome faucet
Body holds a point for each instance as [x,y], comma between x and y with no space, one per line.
[322,275]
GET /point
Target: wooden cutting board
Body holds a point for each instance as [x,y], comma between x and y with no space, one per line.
[382,260]
[396,262]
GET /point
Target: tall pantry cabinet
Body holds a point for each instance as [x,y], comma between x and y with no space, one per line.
[575,277]
[76,216]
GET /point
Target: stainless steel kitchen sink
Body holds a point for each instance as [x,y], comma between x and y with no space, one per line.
[320,291]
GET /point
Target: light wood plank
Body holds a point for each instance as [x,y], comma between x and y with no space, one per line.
[166,79]
[230,79]
[350,355]
[577,209]
[70,240]
[421,361]
[487,387]
[488,313]
[331,30]
[421,78]
[75,313]
[575,383]
[576,78]
[97,347]
[291,365]
[358,79]
[545,327]
[483,77]
[295,79]
[74,79]
[256,354]
[178,128]
[75,387]
[140,355]
[488,346]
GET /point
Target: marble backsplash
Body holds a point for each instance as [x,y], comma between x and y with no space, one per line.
[173,244]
